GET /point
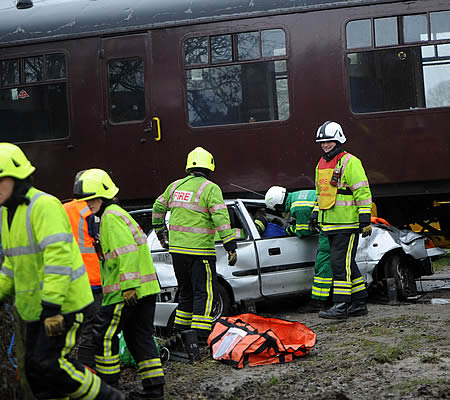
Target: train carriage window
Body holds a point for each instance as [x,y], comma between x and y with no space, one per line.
[10,72]
[440,25]
[32,108]
[221,49]
[415,28]
[410,75]
[33,69]
[248,45]
[359,34]
[386,32]
[55,66]
[242,91]
[196,51]
[126,90]
[273,43]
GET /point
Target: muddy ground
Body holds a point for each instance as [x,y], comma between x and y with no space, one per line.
[396,352]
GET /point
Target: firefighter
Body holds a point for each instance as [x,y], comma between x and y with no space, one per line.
[84,229]
[44,270]
[300,205]
[197,211]
[342,211]
[129,284]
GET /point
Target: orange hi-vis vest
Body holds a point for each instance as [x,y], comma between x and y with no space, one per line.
[328,192]
[250,339]
[78,211]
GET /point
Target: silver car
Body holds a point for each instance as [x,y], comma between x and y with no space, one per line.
[284,266]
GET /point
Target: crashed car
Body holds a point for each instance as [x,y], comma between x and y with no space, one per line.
[270,267]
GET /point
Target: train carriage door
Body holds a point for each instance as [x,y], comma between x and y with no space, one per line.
[128,121]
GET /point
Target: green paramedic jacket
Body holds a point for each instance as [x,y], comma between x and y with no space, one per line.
[197,211]
[353,201]
[42,259]
[300,204]
[128,263]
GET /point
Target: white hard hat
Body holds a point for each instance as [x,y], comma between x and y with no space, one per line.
[330,132]
[275,196]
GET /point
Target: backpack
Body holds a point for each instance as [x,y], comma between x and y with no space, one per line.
[249,339]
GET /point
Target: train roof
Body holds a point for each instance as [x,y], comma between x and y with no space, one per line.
[60,19]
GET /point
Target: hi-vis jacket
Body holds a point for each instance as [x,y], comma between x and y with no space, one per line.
[128,263]
[300,204]
[341,207]
[42,260]
[77,212]
[197,211]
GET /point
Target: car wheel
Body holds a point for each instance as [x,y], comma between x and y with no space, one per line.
[398,268]
[222,303]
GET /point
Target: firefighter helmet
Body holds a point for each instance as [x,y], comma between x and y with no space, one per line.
[13,162]
[200,158]
[330,132]
[275,196]
[94,183]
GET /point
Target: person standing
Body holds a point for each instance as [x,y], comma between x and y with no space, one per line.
[84,226]
[197,211]
[300,205]
[44,270]
[129,284]
[342,211]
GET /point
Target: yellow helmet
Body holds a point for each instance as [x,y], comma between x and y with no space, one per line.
[94,183]
[200,158]
[13,162]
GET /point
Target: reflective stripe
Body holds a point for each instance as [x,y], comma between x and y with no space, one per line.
[111,332]
[223,227]
[336,227]
[81,238]
[359,185]
[348,257]
[158,215]
[57,270]
[189,206]
[121,251]
[56,238]
[163,201]
[303,203]
[229,238]
[6,271]
[345,161]
[344,203]
[111,288]
[217,207]
[210,294]
[191,229]
[196,252]
[149,277]
[128,276]
[79,272]
[364,202]
[200,191]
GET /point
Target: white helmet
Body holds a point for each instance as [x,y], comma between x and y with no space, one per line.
[330,132]
[275,196]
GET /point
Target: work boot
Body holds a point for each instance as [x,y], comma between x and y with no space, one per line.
[338,311]
[149,393]
[357,308]
[190,341]
[316,305]
[109,393]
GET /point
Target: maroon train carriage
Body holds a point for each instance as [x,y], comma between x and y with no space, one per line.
[132,86]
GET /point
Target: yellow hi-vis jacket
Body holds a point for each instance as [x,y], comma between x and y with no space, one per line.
[42,259]
[128,263]
[197,211]
[341,207]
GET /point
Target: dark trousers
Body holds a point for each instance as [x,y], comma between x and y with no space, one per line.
[348,284]
[196,277]
[86,346]
[50,373]
[137,325]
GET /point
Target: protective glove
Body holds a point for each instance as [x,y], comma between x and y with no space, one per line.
[130,297]
[365,230]
[312,225]
[52,319]
[232,257]
[54,326]
[163,238]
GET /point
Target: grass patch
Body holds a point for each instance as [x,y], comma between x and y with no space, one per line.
[430,359]
[410,385]
[387,354]
[443,264]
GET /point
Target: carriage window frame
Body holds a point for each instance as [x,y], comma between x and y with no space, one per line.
[58,122]
[212,61]
[422,99]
